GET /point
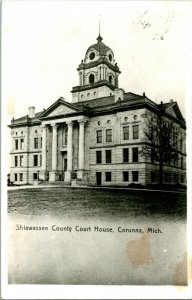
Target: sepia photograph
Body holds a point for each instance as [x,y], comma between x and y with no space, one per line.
[94,147]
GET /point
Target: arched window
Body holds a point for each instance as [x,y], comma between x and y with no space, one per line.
[91,78]
[110,79]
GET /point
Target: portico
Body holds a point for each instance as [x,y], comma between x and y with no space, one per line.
[63,161]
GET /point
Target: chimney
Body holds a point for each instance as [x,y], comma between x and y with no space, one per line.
[144,95]
[119,95]
[31,112]
[171,100]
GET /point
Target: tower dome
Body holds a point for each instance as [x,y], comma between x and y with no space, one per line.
[98,73]
[99,50]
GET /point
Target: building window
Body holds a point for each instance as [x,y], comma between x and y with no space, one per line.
[98,157]
[16,161]
[21,177]
[176,162]
[181,144]
[16,144]
[135,132]
[182,178]
[40,160]
[35,160]
[108,176]
[21,143]
[109,135]
[135,154]
[40,142]
[182,162]
[64,136]
[152,155]
[167,177]
[176,178]
[126,132]
[15,176]
[125,155]
[135,176]
[153,177]
[21,160]
[99,136]
[36,143]
[35,176]
[108,156]
[125,176]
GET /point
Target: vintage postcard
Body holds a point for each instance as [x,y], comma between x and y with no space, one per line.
[96,183]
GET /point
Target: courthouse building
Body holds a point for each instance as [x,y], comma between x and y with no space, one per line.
[97,138]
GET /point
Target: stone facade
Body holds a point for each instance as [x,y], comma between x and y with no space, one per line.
[97,139]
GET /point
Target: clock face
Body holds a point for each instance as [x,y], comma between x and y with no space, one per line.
[91,55]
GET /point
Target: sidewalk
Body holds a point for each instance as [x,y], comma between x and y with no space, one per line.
[89,187]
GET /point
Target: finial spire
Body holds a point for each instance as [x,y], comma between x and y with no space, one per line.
[99,39]
[99,23]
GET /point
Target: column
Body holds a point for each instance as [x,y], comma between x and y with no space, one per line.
[44,148]
[69,146]
[44,174]
[80,78]
[54,175]
[81,144]
[54,147]
[69,152]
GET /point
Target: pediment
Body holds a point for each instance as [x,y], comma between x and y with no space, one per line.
[60,110]
[171,112]
[60,107]
[174,111]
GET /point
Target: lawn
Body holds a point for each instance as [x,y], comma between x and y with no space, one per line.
[99,203]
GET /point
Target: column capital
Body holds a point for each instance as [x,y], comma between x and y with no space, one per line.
[82,122]
[54,125]
[69,123]
[43,126]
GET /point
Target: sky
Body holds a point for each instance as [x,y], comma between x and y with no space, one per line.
[43,42]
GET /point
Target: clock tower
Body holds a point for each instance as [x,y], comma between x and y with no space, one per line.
[98,73]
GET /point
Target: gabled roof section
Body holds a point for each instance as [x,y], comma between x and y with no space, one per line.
[59,108]
[173,110]
[26,121]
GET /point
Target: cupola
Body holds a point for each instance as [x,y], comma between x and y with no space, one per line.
[98,73]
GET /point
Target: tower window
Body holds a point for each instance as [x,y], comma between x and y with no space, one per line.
[110,57]
[91,78]
[110,79]
[92,56]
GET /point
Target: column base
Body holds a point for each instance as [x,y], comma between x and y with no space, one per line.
[67,176]
[44,175]
[82,175]
[54,176]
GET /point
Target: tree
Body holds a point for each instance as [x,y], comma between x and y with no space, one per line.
[160,143]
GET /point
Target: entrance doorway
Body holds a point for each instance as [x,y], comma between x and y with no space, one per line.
[64,164]
[98,178]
